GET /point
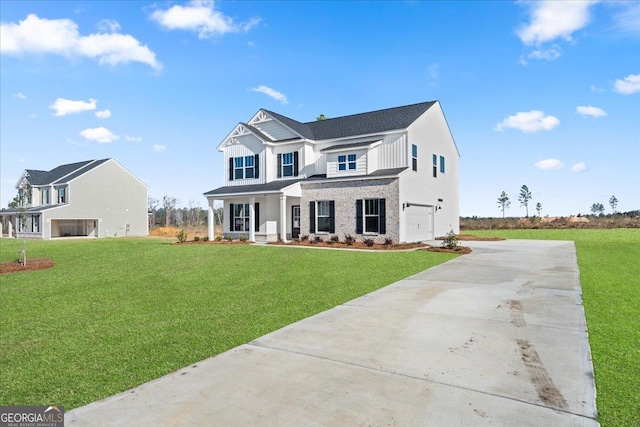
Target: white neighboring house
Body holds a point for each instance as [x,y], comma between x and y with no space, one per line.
[386,174]
[94,198]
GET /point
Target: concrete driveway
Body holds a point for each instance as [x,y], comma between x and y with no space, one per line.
[497,337]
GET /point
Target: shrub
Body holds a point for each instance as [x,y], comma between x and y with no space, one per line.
[229,239]
[303,238]
[388,241]
[182,236]
[243,238]
[318,239]
[205,238]
[368,241]
[450,240]
[335,238]
[218,238]
[348,239]
[196,238]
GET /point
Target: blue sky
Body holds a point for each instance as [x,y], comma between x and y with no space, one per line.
[545,94]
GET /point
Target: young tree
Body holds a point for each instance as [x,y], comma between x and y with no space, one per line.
[169,205]
[613,202]
[504,202]
[525,196]
[152,205]
[597,208]
[539,207]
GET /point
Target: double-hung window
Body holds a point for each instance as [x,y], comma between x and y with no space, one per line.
[240,217]
[414,157]
[62,195]
[238,170]
[287,164]
[371,216]
[347,162]
[435,166]
[322,216]
[45,196]
[248,167]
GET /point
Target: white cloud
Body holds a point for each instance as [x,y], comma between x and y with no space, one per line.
[108,26]
[628,85]
[595,88]
[278,96]
[546,54]
[552,19]
[67,106]
[591,111]
[578,167]
[201,17]
[628,20]
[549,164]
[101,135]
[34,35]
[532,121]
[132,138]
[104,114]
[20,95]
[159,148]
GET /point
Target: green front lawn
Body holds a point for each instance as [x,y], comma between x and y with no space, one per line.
[609,262]
[115,313]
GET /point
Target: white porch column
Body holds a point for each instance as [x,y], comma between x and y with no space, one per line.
[283,217]
[211,221]
[252,219]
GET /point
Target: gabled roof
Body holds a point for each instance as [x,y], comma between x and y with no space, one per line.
[357,124]
[61,174]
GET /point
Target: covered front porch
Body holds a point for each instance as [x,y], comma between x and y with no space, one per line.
[258,214]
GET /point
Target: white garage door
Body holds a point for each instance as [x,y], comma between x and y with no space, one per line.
[418,223]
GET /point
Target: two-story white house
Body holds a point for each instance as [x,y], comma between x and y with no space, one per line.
[386,174]
[94,198]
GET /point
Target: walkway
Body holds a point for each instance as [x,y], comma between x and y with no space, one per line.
[497,337]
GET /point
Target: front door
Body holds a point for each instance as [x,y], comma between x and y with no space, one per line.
[295,222]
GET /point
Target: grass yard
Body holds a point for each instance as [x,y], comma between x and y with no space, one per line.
[609,262]
[115,313]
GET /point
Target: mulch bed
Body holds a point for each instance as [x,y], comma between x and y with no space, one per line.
[354,245]
[32,265]
[472,238]
[212,242]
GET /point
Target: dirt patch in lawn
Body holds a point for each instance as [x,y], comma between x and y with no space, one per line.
[32,265]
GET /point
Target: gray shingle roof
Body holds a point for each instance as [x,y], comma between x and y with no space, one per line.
[357,124]
[62,173]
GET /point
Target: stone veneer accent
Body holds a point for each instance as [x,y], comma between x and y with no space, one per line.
[345,194]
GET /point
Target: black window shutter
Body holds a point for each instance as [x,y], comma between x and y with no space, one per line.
[382,218]
[295,163]
[279,165]
[332,216]
[230,168]
[312,217]
[256,165]
[359,216]
[230,216]
[256,214]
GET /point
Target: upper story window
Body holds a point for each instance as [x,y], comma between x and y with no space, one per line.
[347,162]
[414,157]
[441,164]
[288,164]
[243,167]
[62,195]
[44,196]
[435,166]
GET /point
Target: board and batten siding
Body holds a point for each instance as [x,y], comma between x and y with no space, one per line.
[431,134]
[249,145]
[392,153]
[111,195]
[332,164]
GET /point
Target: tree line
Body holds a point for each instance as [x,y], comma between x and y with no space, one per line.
[524,197]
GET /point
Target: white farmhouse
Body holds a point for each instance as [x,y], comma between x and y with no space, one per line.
[386,174]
